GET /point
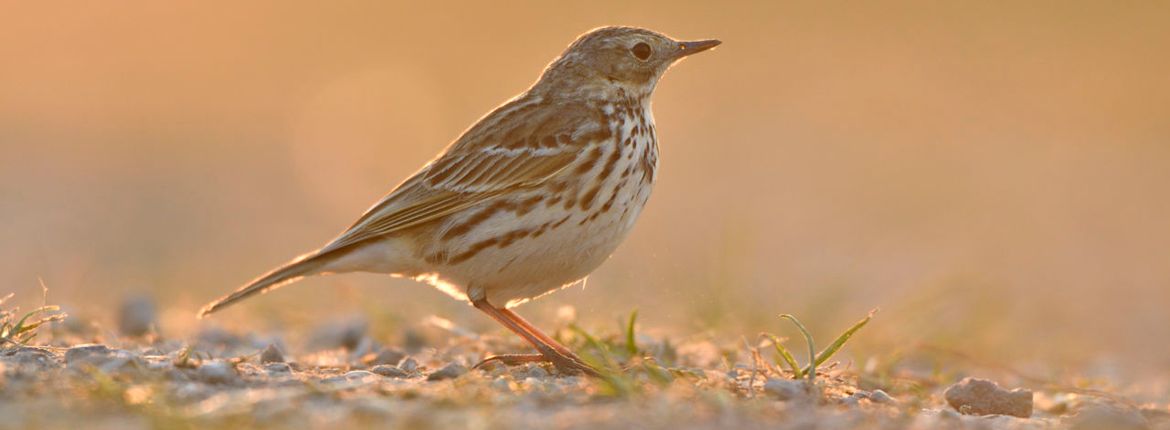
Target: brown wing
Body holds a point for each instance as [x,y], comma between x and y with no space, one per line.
[521,144]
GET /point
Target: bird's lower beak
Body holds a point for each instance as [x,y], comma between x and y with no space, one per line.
[695,47]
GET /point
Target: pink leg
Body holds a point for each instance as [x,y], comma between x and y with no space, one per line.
[549,349]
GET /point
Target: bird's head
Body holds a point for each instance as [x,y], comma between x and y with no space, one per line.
[629,57]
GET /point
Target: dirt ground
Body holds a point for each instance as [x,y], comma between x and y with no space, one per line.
[341,375]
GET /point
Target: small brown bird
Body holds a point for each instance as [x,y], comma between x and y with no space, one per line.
[532,198]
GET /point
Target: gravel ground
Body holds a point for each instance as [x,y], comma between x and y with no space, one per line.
[340,375]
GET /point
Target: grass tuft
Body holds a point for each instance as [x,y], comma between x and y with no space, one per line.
[21,331]
[785,357]
[808,339]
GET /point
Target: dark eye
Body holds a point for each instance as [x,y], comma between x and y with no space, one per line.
[641,51]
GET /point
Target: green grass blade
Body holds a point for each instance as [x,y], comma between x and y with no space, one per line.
[605,361]
[613,383]
[840,341]
[785,356]
[812,351]
[20,327]
[20,332]
[631,346]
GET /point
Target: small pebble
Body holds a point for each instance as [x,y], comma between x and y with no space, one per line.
[102,357]
[351,377]
[271,354]
[389,371]
[949,414]
[450,371]
[77,354]
[390,356]
[409,364]
[855,398]
[879,396]
[973,396]
[783,389]
[359,375]
[217,372]
[137,316]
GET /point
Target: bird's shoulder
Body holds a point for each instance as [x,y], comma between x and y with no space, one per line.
[533,121]
[524,142]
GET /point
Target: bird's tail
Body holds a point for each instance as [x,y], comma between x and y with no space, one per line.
[305,265]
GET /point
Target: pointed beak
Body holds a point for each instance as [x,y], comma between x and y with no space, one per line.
[695,47]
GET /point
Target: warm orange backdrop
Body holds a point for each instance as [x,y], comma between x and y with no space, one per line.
[994,175]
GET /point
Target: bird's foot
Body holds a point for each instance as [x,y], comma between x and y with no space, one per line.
[564,363]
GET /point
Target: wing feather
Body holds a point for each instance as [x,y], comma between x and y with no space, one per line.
[501,153]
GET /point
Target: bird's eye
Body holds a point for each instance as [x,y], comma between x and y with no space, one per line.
[641,51]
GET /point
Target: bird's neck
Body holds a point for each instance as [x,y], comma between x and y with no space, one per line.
[578,84]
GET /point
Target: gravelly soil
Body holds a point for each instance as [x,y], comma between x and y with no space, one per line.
[342,376]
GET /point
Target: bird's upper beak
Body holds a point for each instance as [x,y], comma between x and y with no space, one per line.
[695,47]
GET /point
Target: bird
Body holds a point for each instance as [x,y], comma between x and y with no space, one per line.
[530,199]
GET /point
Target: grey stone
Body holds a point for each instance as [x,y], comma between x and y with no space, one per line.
[450,371]
[365,347]
[389,371]
[271,354]
[855,398]
[973,396]
[408,364]
[390,356]
[359,375]
[351,377]
[137,316]
[784,389]
[80,353]
[101,357]
[879,396]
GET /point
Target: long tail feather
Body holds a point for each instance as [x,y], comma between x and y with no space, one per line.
[306,265]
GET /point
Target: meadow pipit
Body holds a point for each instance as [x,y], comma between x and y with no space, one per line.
[530,199]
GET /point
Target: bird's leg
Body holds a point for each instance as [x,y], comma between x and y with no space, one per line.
[550,350]
[563,350]
[535,331]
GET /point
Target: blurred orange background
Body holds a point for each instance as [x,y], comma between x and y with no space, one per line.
[994,175]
